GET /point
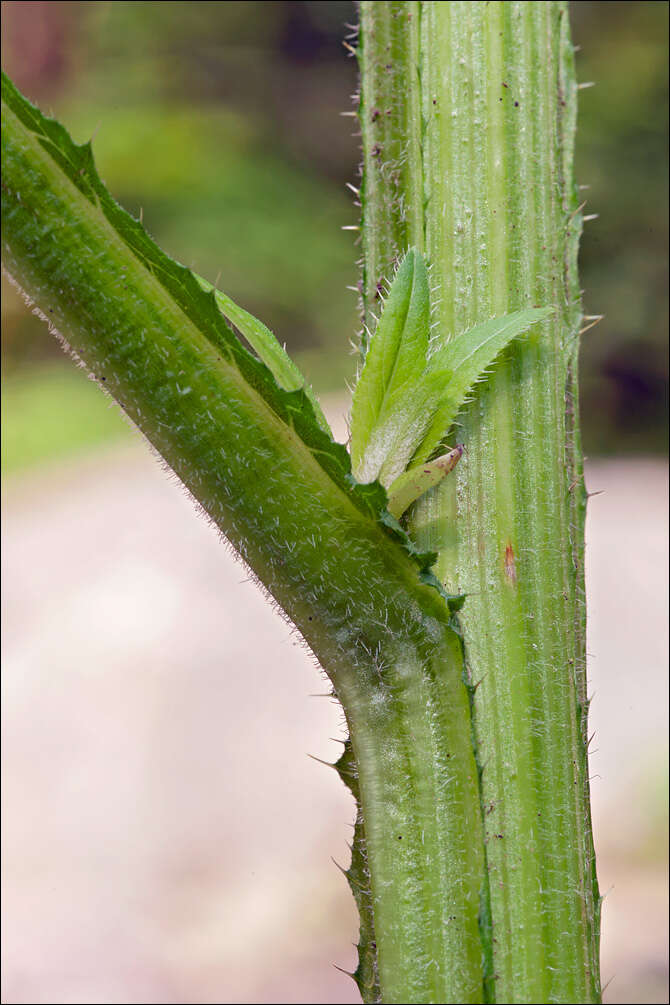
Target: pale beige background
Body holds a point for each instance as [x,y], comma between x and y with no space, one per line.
[166,837]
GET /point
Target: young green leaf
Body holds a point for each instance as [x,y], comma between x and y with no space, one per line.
[467,358]
[267,346]
[397,351]
[405,419]
[414,483]
[407,398]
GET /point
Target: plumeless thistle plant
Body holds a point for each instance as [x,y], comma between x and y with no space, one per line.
[446,608]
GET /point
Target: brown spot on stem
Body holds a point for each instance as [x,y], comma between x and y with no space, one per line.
[510,564]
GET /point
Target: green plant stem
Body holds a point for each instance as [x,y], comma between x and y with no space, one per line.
[279,490]
[500,224]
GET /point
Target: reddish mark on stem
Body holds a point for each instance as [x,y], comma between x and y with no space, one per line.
[510,563]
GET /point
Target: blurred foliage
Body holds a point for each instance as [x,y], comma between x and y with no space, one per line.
[50,411]
[197,127]
[220,123]
[622,156]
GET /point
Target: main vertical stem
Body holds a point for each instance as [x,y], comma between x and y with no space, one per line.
[468,115]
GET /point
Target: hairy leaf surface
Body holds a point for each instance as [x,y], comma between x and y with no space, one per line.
[466,358]
[395,354]
[407,397]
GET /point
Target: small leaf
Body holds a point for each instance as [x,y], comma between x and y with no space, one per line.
[405,420]
[406,400]
[396,355]
[467,357]
[414,483]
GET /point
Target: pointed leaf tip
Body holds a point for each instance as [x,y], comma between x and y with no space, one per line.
[396,357]
[415,482]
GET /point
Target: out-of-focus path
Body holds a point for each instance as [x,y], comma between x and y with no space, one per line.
[166,837]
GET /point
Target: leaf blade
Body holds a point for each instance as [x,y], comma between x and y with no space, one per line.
[396,354]
[466,358]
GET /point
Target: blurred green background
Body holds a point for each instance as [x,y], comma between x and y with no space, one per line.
[221,123]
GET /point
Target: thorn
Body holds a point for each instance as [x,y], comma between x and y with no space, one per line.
[587,83]
[349,115]
[141,214]
[583,188]
[350,49]
[578,210]
[597,318]
[591,216]
[328,764]
[341,868]
[343,971]
[352,226]
[352,188]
